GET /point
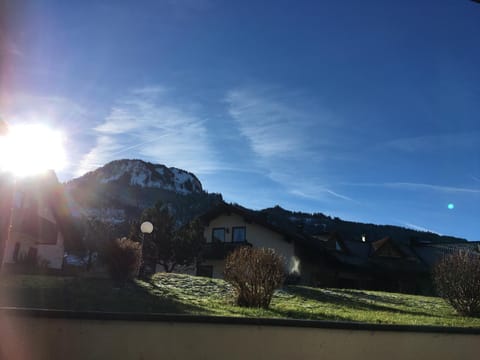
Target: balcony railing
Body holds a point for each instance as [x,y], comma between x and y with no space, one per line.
[220,250]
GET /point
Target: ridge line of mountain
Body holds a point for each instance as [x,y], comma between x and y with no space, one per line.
[125,187]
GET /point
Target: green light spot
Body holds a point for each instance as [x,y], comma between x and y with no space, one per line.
[451,206]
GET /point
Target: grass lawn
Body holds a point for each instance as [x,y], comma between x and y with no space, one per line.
[183,294]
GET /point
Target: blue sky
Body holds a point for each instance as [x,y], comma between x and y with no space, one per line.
[364,110]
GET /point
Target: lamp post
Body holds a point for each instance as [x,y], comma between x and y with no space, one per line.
[145,228]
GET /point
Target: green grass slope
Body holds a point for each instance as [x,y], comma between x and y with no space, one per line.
[183,294]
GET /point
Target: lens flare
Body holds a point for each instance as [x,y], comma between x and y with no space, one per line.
[451,206]
[31,149]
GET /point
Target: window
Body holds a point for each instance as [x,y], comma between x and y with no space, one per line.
[239,234]
[218,235]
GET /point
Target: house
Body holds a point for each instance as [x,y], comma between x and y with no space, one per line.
[35,222]
[228,227]
[383,264]
[324,259]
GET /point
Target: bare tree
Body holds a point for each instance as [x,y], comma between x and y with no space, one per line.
[255,273]
[457,279]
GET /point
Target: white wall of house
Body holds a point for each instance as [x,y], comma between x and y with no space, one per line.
[46,213]
[25,243]
[257,235]
[51,254]
[218,266]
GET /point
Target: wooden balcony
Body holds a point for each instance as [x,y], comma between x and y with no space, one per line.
[220,250]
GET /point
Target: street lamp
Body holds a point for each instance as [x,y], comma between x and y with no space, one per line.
[145,228]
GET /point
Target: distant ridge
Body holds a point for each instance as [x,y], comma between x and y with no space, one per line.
[119,191]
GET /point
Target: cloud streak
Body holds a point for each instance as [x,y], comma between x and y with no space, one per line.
[149,125]
[319,193]
[282,130]
[273,128]
[419,228]
[418,186]
[434,143]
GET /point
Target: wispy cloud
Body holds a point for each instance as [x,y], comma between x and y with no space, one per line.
[434,143]
[148,124]
[318,194]
[418,186]
[417,227]
[273,128]
[282,129]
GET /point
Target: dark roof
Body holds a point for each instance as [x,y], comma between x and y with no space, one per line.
[354,254]
[431,253]
[361,255]
[358,249]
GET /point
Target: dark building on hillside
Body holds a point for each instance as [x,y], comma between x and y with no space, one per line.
[325,259]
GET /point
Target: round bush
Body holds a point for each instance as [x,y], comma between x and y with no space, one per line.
[457,279]
[254,273]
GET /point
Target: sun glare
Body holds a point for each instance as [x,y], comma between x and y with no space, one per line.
[31,149]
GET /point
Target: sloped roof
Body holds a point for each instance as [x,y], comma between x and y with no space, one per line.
[362,255]
[249,216]
[430,254]
[259,219]
[357,248]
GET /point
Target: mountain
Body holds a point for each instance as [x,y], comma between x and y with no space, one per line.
[120,190]
[318,223]
[142,174]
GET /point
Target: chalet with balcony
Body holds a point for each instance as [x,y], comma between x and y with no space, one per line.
[231,226]
[35,222]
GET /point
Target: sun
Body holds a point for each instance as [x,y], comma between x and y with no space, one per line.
[31,149]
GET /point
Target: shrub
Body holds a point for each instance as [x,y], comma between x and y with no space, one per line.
[26,263]
[123,258]
[457,279]
[254,273]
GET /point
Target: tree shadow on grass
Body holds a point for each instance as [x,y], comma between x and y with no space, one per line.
[342,298]
[303,315]
[96,295]
[394,300]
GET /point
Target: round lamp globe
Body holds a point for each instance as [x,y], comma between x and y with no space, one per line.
[146,227]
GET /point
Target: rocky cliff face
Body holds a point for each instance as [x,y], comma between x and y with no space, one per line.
[141,174]
[119,191]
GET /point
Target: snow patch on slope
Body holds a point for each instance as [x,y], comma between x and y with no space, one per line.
[139,173]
